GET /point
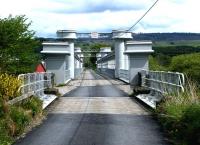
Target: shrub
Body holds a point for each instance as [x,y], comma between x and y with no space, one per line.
[34,104]
[188,64]
[154,65]
[9,86]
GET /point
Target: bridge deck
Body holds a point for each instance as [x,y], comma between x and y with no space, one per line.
[93,111]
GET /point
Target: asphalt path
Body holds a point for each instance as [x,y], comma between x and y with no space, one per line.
[104,125]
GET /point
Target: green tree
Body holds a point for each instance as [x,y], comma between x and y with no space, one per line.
[188,64]
[154,64]
[17,46]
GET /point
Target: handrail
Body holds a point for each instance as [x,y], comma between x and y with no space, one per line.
[33,84]
[164,82]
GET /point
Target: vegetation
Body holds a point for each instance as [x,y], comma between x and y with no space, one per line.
[193,43]
[17,46]
[167,37]
[155,65]
[189,64]
[180,116]
[14,119]
[90,62]
[179,113]
[9,89]
[175,50]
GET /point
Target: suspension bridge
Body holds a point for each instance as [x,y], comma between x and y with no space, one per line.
[95,107]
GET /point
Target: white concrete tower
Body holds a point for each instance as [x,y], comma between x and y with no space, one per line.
[70,36]
[120,36]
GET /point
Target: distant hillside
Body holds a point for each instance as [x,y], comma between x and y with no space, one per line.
[146,36]
[166,36]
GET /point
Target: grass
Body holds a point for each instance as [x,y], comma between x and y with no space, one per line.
[61,85]
[180,116]
[19,116]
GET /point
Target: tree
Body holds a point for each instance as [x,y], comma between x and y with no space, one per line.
[188,64]
[17,46]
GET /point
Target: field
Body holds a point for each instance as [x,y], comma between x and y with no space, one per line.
[193,43]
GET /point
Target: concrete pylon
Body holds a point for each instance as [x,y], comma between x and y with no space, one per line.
[120,36]
[70,36]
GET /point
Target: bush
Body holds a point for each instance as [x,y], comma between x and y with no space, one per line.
[34,104]
[188,64]
[9,87]
[154,65]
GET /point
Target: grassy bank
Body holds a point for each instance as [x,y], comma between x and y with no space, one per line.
[14,119]
[17,119]
[180,116]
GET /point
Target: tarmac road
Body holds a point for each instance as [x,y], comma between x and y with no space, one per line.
[96,113]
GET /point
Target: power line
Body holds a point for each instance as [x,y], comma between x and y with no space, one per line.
[142,16]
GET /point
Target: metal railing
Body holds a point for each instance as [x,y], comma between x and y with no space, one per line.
[163,82]
[107,71]
[67,75]
[33,84]
[124,75]
[160,83]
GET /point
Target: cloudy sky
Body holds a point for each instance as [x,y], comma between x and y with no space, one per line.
[47,16]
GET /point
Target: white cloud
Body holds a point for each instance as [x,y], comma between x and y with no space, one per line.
[102,15]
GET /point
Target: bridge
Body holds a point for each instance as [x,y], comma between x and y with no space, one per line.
[95,107]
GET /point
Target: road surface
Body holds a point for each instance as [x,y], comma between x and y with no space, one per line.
[95,112]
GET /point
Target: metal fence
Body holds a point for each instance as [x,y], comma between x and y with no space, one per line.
[163,82]
[160,83]
[33,84]
[124,75]
[107,71]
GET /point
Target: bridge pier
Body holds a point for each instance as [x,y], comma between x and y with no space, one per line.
[61,58]
[70,36]
[138,53]
[121,60]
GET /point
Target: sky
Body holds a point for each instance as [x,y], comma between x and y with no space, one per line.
[48,16]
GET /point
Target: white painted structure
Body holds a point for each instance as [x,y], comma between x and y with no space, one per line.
[57,59]
[121,59]
[129,58]
[61,58]
[138,53]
